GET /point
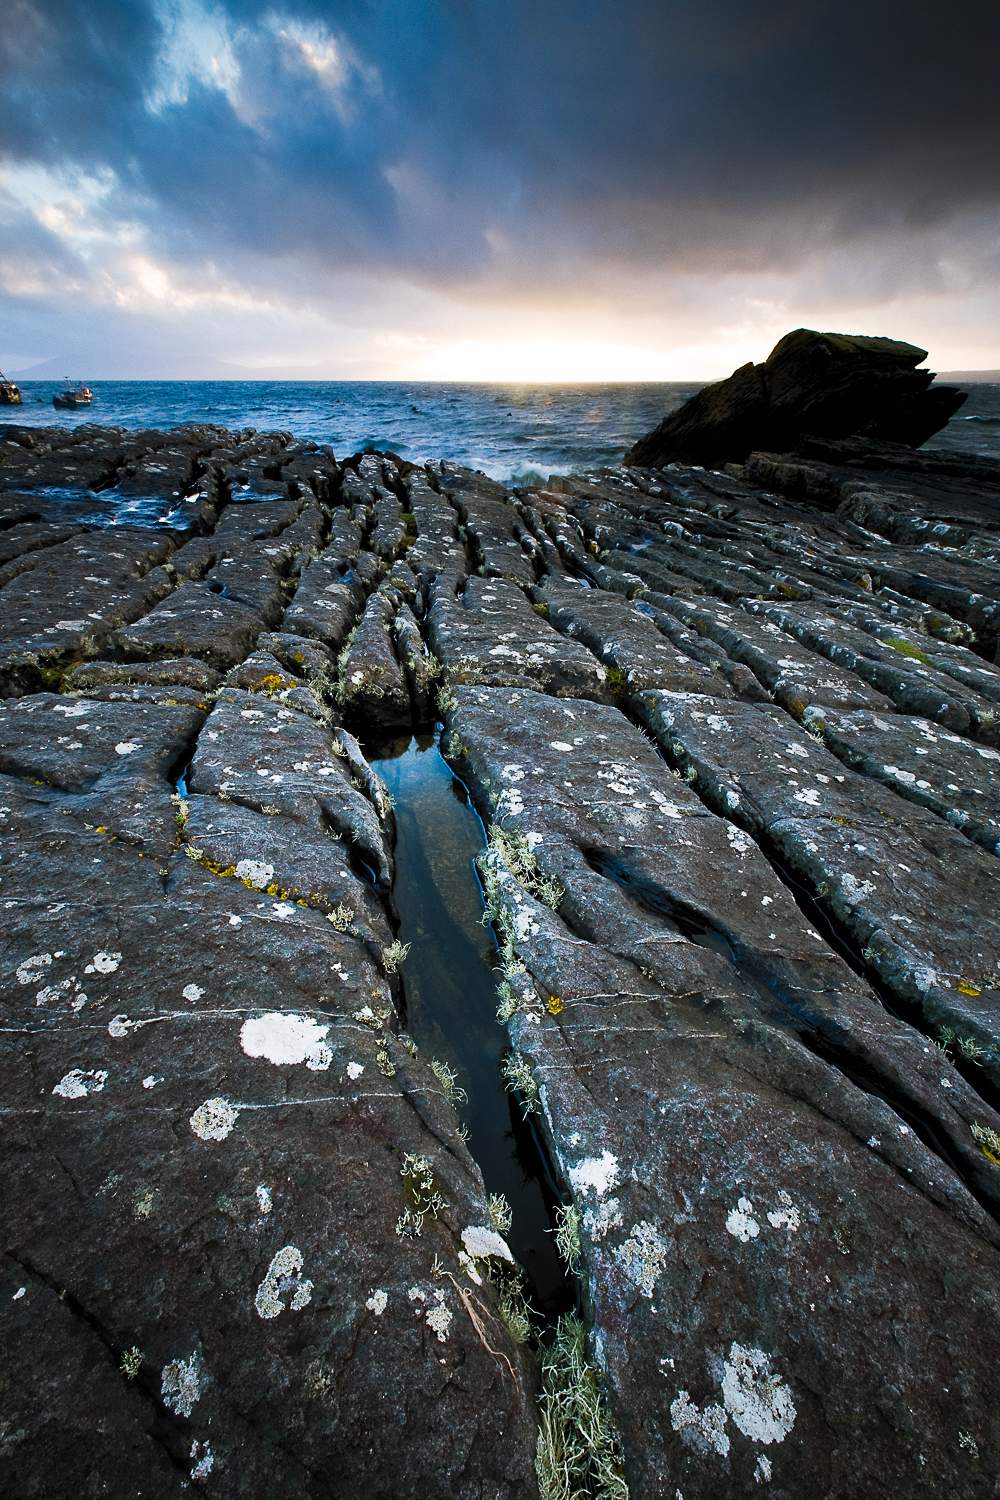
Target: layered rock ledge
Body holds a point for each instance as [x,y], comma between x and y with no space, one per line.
[734,736]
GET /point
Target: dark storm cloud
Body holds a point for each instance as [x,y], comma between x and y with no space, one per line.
[465,142]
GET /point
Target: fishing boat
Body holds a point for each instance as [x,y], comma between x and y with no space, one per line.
[9,393]
[73,395]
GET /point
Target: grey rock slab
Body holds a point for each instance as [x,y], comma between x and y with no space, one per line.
[912,687]
[371,684]
[742,681]
[205,1155]
[881,868]
[437,545]
[182,672]
[279,856]
[262,673]
[954,777]
[82,590]
[297,653]
[325,607]
[952,659]
[491,634]
[628,642]
[168,471]
[769,1282]
[61,1355]
[194,620]
[70,742]
[389,535]
[265,755]
[792,673]
[118,756]
[650,874]
[654,574]
[491,527]
[251,573]
[255,521]
[421,668]
[344,541]
[17,541]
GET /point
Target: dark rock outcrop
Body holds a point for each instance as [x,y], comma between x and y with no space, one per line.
[827,385]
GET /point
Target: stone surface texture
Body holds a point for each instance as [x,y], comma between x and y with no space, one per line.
[733,734]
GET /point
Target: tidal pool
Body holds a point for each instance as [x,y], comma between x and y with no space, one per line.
[449,981]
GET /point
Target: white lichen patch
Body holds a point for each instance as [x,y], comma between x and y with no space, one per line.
[355,1070]
[264,1201]
[785,1217]
[762,1473]
[255,872]
[182,1384]
[77,1084]
[377,1303]
[214,1120]
[605,1217]
[439,1318]
[741,843]
[126,747]
[595,1174]
[103,963]
[758,1401]
[643,1256]
[32,969]
[203,1466]
[704,1427]
[283,1276]
[481,1243]
[192,992]
[283,1038]
[741,1223]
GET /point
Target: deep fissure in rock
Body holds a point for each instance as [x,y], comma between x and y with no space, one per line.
[449,985]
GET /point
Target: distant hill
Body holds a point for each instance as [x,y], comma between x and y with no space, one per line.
[970,377]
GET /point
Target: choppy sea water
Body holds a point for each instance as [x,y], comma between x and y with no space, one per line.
[511,432]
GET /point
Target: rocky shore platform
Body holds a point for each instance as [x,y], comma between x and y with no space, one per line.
[734,735]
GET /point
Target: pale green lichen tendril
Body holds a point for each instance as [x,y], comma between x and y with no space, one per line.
[966,1046]
[579,1452]
[511,1301]
[448,1079]
[520,1079]
[516,854]
[417,1173]
[341,917]
[131,1362]
[988,1139]
[501,1215]
[567,1235]
[394,955]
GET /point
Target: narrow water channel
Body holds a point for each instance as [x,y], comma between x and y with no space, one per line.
[449,983]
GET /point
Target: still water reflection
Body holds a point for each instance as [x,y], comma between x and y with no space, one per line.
[450,988]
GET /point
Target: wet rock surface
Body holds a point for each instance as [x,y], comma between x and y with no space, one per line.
[732,734]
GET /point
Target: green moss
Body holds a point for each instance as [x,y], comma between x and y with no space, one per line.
[905,649]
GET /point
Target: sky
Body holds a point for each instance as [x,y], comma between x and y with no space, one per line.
[492,189]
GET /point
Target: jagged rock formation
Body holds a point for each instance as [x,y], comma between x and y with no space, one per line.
[735,738]
[827,385]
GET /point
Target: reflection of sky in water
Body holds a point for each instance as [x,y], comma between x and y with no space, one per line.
[450,981]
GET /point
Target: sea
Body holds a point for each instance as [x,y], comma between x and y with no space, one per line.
[517,434]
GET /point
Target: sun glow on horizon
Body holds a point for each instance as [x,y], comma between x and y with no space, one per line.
[565,361]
